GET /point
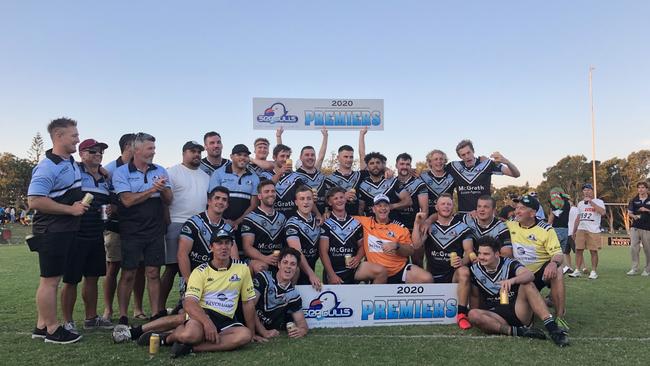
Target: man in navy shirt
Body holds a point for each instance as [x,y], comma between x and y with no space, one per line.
[639,210]
[143,188]
[87,257]
[55,193]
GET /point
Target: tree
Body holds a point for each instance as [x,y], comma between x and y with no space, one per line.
[37,150]
[421,166]
[570,173]
[15,174]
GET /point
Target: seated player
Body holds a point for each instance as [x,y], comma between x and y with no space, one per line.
[492,275]
[448,247]
[388,243]
[211,299]
[278,303]
[341,246]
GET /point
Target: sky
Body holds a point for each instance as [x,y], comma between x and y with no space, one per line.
[510,75]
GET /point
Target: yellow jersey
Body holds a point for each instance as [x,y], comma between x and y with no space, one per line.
[533,246]
[219,289]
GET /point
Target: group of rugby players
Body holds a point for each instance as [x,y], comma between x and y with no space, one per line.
[267,224]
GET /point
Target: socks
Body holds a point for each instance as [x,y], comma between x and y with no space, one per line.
[550,324]
[462,309]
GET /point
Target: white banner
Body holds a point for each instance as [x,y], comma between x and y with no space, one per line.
[343,306]
[314,114]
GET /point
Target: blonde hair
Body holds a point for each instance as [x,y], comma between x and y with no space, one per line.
[436,151]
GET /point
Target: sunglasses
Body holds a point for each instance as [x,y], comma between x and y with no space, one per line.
[93,152]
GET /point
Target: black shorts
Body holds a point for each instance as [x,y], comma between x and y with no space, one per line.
[444,278]
[135,250]
[399,277]
[221,321]
[346,276]
[87,258]
[53,252]
[507,312]
[539,282]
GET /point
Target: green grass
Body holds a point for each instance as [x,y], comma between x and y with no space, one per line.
[609,321]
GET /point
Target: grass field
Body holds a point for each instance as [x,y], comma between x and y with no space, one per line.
[609,319]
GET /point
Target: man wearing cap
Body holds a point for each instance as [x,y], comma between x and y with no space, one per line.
[242,184]
[536,246]
[389,244]
[189,184]
[55,193]
[213,148]
[586,233]
[143,189]
[211,300]
[87,255]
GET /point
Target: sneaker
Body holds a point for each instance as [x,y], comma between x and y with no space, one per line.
[566,269]
[560,338]
[575,274]
[180,349]
[561,322]
[124,320]
[62,336]
[121,333]
[97,323]
[39,333]
[593,275]
[633,272]
[645,274]
[70,327]
[145,338]
[463,322]
[531,332]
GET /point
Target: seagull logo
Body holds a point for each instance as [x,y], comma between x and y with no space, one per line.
[277,113]
[326,305]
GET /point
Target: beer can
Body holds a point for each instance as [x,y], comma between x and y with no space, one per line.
[472,256]
[88,199]
[452,257]
[503,297]
[348,259]
[104,212]
[291,326]
[154,344]
[353,191]
[276,253]
[289,163]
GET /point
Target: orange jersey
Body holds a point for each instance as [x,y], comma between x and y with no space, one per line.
[375,233]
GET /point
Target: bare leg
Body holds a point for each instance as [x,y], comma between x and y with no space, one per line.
[138,291]
[89,295]
[153,285]
[124,289]
[371,272]
[418,275]
[229,339]
[46,303]
[461,277]
[558,294]
[68,299]
[489,322]
[110,285]
[594,260]
[579,259]
[166,283]
[164,324]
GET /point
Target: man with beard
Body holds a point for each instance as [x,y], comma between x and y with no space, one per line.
[473,177]
[188,186]
[415,188]
[262,230]
[493,275]
[376,183]
[302,233]
[286,181]
[345,177]
[242,184]
[213,148]
[448,235]
[143,189]
[341,246]
[277,301]
[310,173]
[485,223]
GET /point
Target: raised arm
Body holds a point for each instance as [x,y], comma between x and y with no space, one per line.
[362,148]
[323,149]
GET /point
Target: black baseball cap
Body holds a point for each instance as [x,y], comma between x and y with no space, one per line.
[588,186]
[240,148]
[193,145]
[529,201]
[221,234]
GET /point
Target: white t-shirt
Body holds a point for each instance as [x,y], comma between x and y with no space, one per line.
[573,213]
[190,187]
[589,218]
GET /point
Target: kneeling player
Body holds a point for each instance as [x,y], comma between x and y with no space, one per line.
[341,246]
[278,303]
[213,291]
[494,274]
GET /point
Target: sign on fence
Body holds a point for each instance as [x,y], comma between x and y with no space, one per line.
[314,114]
[343,306]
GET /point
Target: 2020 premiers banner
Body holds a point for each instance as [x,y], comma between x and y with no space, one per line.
[343,306]
[314,114]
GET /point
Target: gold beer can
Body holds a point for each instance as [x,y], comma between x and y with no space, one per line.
[503,297]
[276,253]
[348,259]
[88,199]
[472,256]
[291,326]
[154,344]
[452,257]
[289,163]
